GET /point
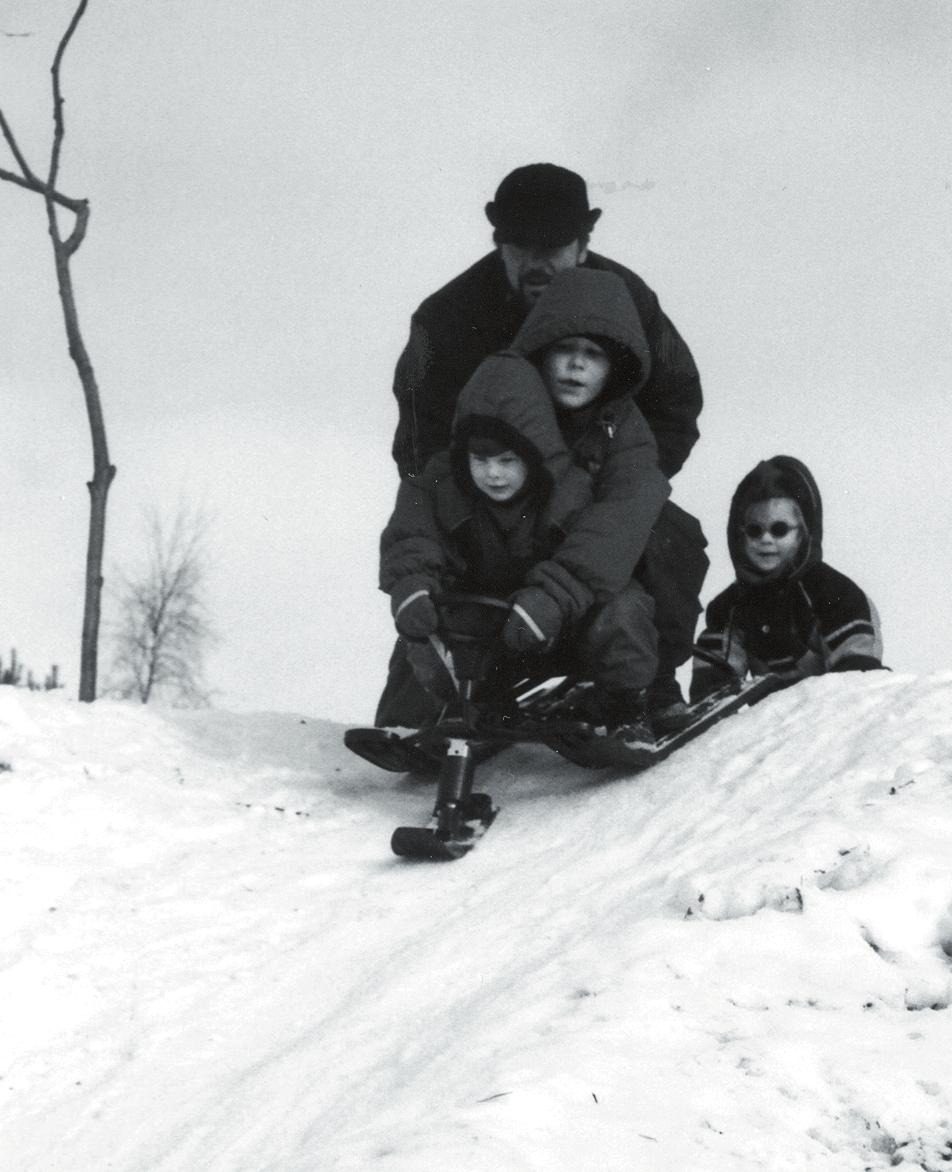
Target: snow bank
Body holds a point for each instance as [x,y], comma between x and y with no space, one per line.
[739,960]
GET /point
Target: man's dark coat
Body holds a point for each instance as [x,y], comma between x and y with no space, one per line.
[478,314]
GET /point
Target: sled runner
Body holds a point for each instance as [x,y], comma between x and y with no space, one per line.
[493,710]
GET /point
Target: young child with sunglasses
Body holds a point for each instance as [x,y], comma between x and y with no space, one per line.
[788,612]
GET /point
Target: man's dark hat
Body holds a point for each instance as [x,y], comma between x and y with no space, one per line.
[541,206]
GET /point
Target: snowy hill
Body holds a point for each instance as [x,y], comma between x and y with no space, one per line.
[740,960]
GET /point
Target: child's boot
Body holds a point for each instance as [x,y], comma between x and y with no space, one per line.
[626,717]
[667,711]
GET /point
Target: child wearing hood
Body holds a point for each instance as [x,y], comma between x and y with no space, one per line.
[788,612]
[587,339]
[507,512]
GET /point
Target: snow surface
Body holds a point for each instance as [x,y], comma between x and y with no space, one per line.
[739,960]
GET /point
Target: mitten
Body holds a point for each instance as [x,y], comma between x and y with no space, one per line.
[534,621]
[414,614]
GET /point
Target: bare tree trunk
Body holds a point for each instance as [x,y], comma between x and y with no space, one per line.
[89,650]
[103,470]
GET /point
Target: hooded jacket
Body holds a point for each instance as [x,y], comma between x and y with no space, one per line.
[477,314]
[781,476]
[610,437]
[445,534]
[809,620]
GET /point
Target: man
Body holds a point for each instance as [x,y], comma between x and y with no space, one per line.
[542,222]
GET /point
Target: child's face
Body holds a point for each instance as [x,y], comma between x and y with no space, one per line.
[498,477]
[575,370]
[773,531]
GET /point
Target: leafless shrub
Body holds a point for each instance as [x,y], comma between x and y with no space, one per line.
[163,629]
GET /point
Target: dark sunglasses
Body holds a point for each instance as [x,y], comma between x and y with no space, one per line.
[777,529]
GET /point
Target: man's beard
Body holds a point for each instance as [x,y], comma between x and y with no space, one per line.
[533,284]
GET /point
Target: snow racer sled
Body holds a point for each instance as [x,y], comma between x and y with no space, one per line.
[496,707]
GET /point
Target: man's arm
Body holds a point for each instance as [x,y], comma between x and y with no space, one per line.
[440,355]
[452,331]
[671,398]
[412,388]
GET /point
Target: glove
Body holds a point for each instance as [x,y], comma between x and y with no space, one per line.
[534,621]
[414,614]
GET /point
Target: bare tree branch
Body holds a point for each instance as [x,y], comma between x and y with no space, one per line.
[18,155]
[78,234]
[59,125]
[80,207]
[27,179]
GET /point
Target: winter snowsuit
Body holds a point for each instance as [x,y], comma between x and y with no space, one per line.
[809,620]
[610,438]
[478,314]
[444,535]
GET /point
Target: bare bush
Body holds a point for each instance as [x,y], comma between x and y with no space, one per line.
[13,675]
[163,629]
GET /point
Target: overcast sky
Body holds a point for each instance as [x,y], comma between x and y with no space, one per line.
[274,188]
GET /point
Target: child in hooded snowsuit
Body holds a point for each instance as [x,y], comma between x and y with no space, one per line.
[610,437]
[569,586]
[788,612]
